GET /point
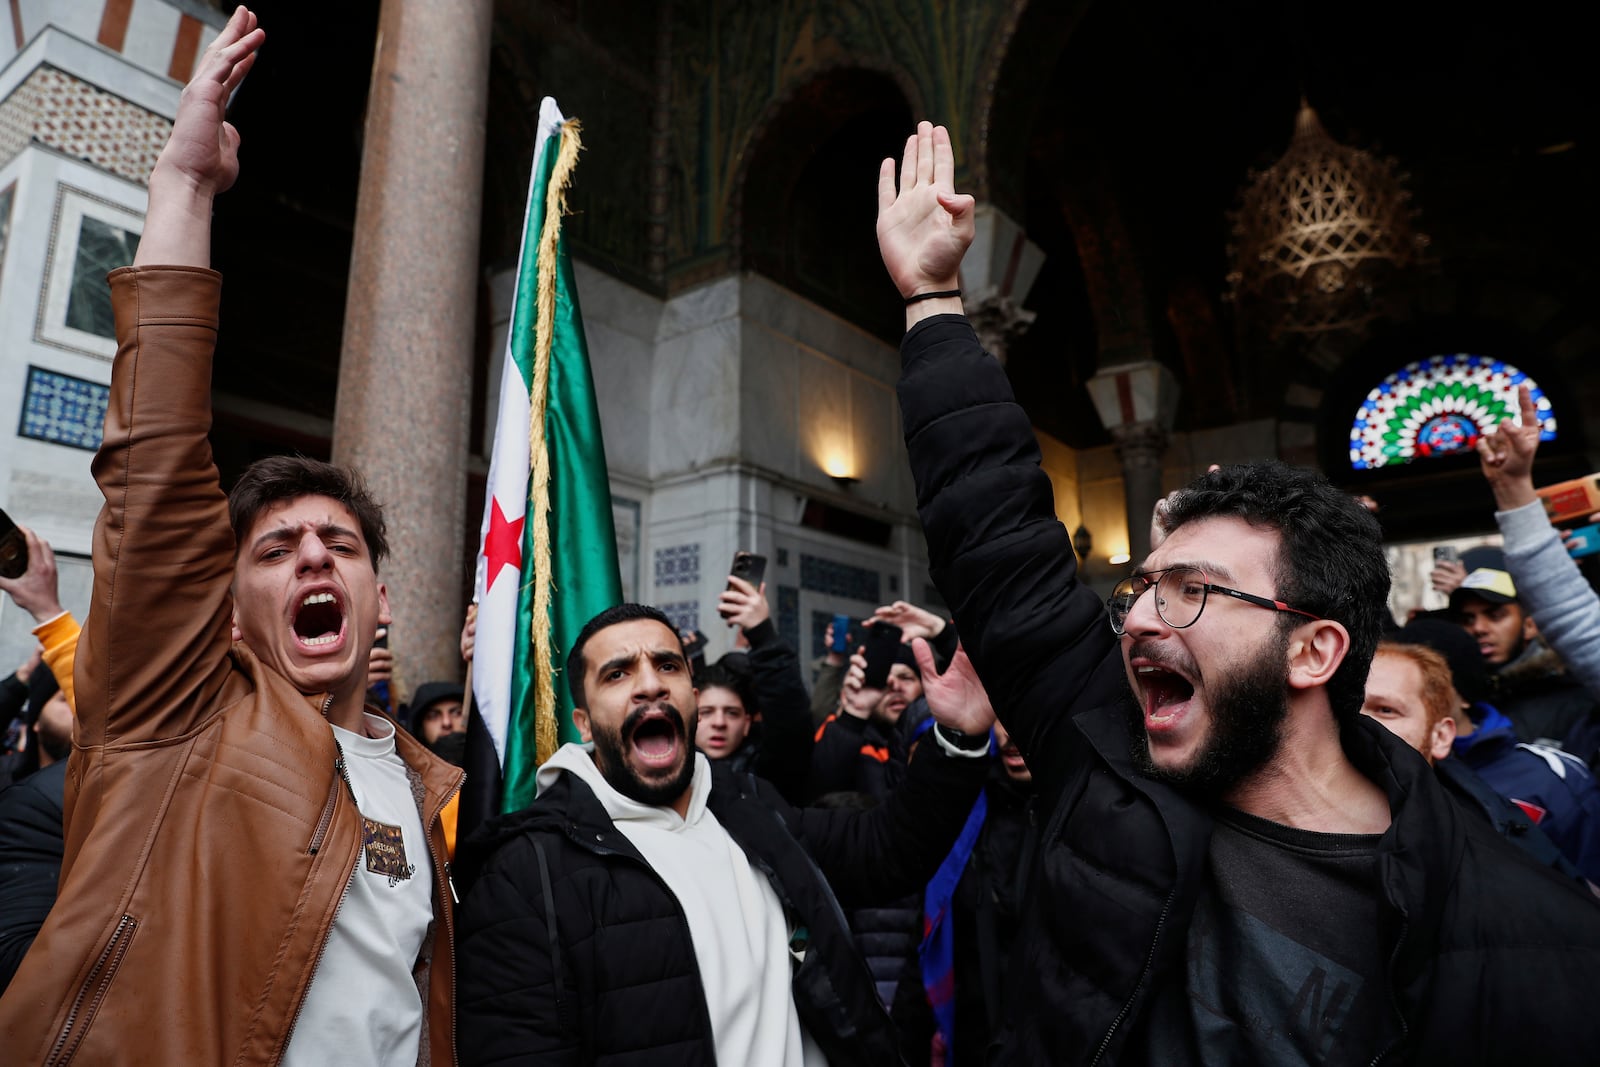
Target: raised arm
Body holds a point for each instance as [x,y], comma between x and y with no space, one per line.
[1005,565]
[156,640]
[1549,584]
[201,157]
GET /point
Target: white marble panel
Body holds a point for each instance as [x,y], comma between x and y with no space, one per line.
[769,399]
[694,399]
[827,443]
[699,307]
[814,327]
[881,451]
[621,366]
[616,303]
[152,34]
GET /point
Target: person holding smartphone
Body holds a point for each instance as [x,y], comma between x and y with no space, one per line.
[755,717]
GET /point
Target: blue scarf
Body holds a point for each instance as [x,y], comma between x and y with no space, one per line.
[937,950]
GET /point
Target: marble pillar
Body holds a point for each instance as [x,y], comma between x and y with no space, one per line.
[405,376]
[1140,448]
[1138,403]
[998,270]
[998,321]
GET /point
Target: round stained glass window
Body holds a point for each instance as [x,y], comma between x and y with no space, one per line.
[1440,407]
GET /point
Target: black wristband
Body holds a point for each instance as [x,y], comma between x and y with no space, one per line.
[965,742]
[914,297]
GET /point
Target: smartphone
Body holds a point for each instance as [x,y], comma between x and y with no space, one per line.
[1588,538]
[841,634]
[883,645]
[13,549]
[379,691]
[1446,554]
[751,567]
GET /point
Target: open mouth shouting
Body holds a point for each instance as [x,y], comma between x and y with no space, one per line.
[1165,694]
[655,738]
[319,622]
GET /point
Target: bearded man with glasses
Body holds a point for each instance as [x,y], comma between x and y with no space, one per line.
[1237,866]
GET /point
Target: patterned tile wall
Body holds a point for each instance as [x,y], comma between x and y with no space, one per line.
[678,565]
[685,614]
[788,620]
[840,579]
[63,410]
[75,118]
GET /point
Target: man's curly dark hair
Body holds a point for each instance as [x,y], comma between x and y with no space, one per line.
[1331,563]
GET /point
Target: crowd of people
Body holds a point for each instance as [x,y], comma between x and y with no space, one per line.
[1235,813]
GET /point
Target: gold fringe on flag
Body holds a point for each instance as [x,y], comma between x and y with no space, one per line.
[546,737]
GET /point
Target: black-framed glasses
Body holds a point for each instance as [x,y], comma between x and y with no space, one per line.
[1180,597]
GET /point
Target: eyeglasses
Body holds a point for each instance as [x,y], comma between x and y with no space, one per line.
[1180,597]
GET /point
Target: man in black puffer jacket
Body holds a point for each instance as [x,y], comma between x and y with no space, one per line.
[1235,866]
[646,908]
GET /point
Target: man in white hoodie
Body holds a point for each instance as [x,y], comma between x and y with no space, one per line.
[646,903]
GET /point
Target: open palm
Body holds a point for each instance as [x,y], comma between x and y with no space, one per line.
[924,228]
[956,698]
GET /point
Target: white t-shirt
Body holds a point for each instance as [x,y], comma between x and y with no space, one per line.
[363,1009]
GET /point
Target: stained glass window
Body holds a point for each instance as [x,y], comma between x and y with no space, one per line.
[1440,407]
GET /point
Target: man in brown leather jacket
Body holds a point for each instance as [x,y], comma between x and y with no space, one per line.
[255,869]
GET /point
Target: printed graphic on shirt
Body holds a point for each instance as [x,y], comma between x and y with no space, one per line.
[385,847]
[1261,994]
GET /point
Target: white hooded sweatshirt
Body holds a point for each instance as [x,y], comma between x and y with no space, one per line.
[736,921]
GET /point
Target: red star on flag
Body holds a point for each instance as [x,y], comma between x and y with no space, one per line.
[503,546]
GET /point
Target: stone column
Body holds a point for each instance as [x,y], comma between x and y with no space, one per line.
[998,270]
[1138,403]
[1140,448]
[405,376]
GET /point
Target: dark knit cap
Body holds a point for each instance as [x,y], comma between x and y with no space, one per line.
[905,655]
[1458,648]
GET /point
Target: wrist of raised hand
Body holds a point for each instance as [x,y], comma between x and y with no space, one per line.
[1512,493]
[927,309]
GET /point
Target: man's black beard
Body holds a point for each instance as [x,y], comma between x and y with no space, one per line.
[1247,710]
[610,757]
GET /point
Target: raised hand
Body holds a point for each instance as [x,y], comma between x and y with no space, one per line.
[380,663]
[36,590]
[1447,576]
[956,698]
[201,157]
[912,620]
[854,697]
[204,147]
[743,605]
[924,227]
[1506,455]
[469,632]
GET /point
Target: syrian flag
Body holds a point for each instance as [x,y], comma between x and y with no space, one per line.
[547,560]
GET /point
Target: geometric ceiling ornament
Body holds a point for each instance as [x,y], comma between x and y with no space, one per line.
[1316,235]
[1440,407]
